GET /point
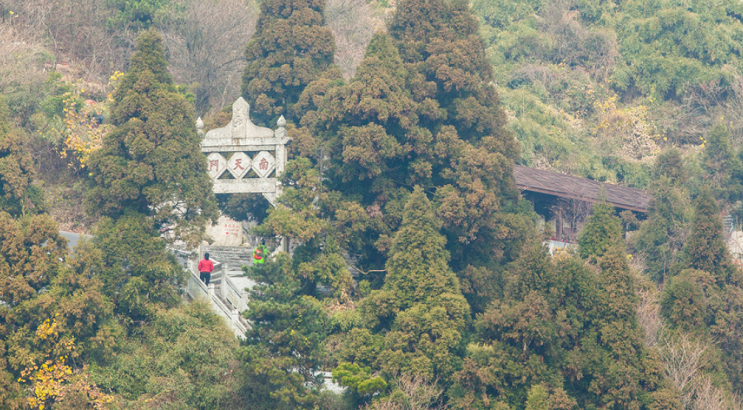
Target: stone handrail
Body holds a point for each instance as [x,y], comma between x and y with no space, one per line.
[196,289]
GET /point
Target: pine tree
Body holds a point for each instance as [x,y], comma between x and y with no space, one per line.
[602,231]
[151,162]
[420,309]
[705,248]
[291,48]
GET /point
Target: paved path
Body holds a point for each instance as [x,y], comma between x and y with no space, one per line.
[73,238]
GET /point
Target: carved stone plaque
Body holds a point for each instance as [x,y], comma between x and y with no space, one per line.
[263,164]
[238,164]
[216,165]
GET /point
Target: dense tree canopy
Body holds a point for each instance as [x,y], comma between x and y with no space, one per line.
[601,232]
[151,162]
[292,47]
[416,272]
[705,249]
[420,311]
[17,194]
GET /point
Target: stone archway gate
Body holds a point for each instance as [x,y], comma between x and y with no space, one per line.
[243,157]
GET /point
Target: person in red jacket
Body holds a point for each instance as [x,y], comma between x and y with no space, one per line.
[205,269]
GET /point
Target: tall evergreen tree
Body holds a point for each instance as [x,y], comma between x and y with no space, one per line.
[705,248]
[151,162]
[291,48]
[376,148]
[660,237]
[446,57]
[371,125]
[17,194]
[724,168]
[282,347]
[420,312]
[471,153]
[602,231]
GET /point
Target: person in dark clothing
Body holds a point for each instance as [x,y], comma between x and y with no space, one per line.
[205,269]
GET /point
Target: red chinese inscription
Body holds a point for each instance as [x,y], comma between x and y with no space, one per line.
[263,165]
[213,165]
[237,164]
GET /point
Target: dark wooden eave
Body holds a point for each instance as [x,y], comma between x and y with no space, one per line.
[568,186]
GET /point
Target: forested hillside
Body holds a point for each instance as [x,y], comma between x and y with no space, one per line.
[600,88]
[419,276]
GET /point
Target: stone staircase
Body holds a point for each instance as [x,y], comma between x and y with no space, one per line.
[232,256]
[227,291]
[728,224]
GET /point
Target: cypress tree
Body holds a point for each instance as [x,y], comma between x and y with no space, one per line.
[446,58]
[724,169]
[705,249]
[471,153]
[151,162]
[369,128]
[291,48]
[659,238]
[602,231]
[683,303]
[420,309]
[371,125]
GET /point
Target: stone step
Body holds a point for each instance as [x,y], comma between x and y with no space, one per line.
[234,256]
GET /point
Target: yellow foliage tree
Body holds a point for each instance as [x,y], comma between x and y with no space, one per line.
[53,379]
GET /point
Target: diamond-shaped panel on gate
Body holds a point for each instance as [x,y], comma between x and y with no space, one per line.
[263,164]
[239,164]
[216,164]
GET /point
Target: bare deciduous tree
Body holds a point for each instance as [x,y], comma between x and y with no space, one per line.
[648,308]
[21,61]
[413,393]
[205,45]
[683,358]
[75,30]
[572,212]
[353,26]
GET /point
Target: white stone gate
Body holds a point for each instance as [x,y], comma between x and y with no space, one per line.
[243,157]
